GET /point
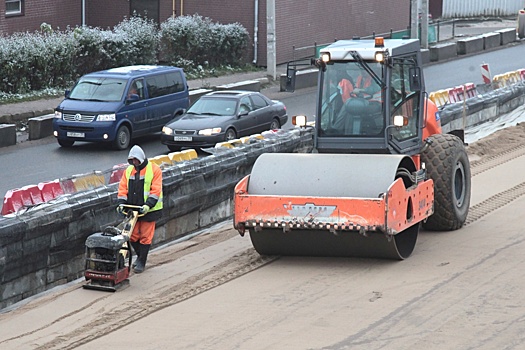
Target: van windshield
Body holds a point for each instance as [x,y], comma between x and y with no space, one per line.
[98,89]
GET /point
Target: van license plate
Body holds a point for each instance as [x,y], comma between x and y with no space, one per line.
[182,138]
[76,134]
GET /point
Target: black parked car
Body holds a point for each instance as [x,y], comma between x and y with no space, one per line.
[223,115]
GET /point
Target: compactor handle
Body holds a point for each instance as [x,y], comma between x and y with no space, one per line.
[129,209]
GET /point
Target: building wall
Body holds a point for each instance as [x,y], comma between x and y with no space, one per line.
[57,13]
[310,22]
[303,23]
[106,14]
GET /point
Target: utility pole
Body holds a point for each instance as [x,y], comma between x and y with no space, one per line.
[424,24]
[414,19]
[271,65]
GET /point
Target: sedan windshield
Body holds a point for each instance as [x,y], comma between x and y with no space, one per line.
[98,89]
[214,106]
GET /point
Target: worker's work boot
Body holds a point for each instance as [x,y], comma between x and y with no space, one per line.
[136,248]
[141,261]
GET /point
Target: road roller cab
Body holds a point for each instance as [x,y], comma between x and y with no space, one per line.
[364,86]
[380,168]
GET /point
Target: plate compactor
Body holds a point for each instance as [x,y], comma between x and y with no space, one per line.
[108,254]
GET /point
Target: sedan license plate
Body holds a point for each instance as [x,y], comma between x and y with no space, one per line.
[76,134]
[182,138]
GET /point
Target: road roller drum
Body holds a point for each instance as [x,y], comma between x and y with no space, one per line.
[334,205]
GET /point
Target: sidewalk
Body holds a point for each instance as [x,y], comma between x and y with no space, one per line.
[24,110]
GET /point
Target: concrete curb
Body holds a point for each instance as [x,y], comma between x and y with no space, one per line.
[7,135]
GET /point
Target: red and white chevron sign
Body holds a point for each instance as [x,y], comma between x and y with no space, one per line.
[485,73]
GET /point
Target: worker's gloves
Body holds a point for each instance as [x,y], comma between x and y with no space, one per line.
[120,209]
[144,209]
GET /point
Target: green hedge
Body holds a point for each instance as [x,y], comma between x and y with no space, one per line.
[54,59]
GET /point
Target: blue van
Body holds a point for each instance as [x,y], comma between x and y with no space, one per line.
[119,104]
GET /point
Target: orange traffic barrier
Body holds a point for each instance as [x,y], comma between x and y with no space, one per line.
[161,160]
[189,154]
[440,97]
[88,181]
[175,157]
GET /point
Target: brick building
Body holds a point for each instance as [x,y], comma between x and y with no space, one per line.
[298,23]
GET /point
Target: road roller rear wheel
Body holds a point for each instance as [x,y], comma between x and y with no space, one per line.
[447,164]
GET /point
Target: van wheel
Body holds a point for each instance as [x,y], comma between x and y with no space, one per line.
[65,143]
[122,139]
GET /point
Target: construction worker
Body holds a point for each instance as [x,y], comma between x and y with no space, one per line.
[355,84]
[141,185]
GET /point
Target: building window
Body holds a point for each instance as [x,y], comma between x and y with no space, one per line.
[13,7]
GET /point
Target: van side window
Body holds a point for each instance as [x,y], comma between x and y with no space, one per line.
[165,84]
[153,87]
[175,82]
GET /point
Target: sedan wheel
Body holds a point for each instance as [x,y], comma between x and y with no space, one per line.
[230,135]
[275,124]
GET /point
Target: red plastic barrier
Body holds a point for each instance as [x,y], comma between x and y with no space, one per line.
[15,200]
[34,193]
[50,190]
[68,186]
[471,90]
[453,95]
[522,73]
[116,175]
